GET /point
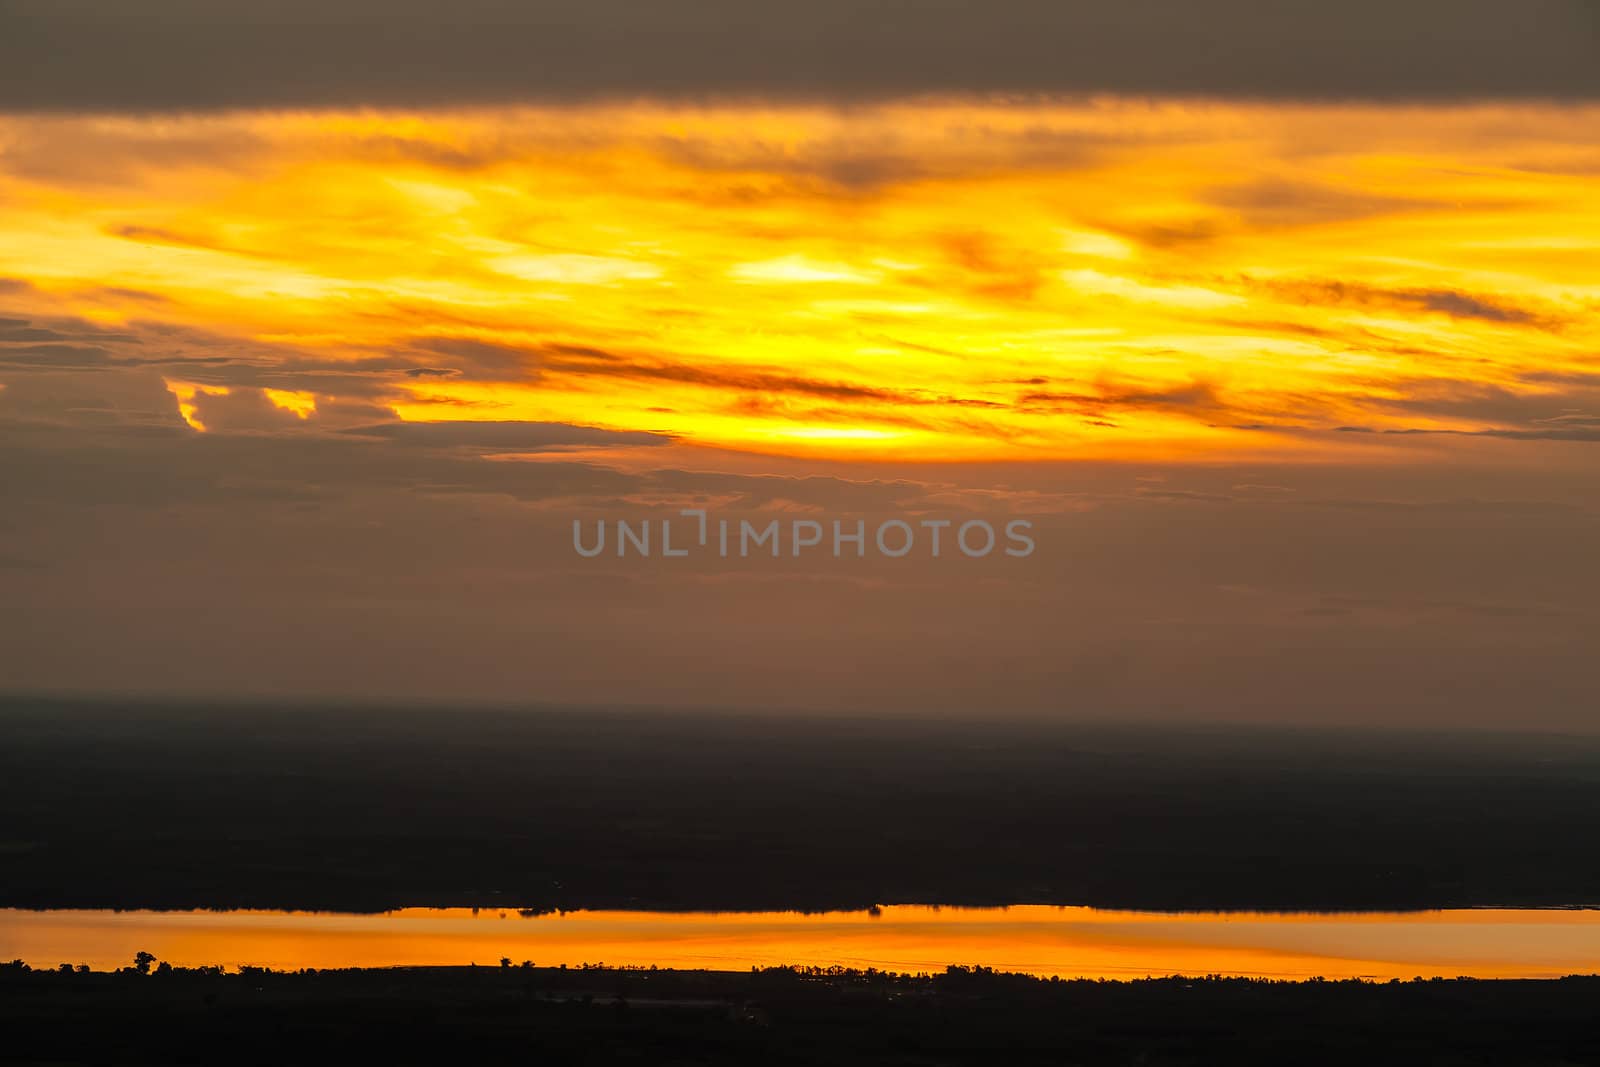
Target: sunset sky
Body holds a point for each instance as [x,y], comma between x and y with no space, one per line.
[320,324]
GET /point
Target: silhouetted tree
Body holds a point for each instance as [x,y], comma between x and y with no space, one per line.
[142,962]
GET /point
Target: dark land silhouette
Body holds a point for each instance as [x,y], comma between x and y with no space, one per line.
[524,1014]
[119,804]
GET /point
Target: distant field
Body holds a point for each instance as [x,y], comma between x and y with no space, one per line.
[522,1015]
[112,805]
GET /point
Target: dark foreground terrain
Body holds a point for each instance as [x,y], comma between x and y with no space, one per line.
[533,1015]
[126,805]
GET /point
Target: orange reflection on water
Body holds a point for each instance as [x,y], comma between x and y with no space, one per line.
[1039,939]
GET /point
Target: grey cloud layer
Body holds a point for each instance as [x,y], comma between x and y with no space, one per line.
[181,54]
[152,559]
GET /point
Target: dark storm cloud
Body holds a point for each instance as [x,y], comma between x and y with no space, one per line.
[1276,202]
[513,436]
[488,361]
[166,54]
[1573,401]
[1196,397]
[18,330]
[1545,407]
[54,356]
[65,343]
[1556,433]
[1450,302]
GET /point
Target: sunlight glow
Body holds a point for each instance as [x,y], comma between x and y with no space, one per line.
[939,279]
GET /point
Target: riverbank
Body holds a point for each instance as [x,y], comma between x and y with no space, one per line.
[778,1016]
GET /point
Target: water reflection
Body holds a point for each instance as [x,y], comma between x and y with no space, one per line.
[1066,941]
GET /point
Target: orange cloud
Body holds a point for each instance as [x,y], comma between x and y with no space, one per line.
[937,279]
